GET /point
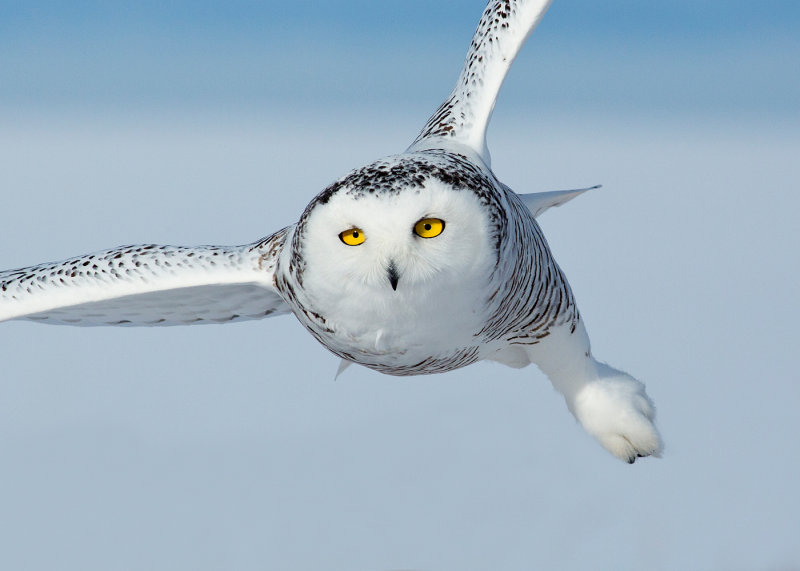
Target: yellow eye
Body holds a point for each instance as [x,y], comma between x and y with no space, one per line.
[352,237]
[429,227]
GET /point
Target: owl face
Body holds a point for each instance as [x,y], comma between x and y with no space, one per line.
[389,263]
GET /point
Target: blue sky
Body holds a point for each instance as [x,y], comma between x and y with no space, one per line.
[711,57]
[677,18]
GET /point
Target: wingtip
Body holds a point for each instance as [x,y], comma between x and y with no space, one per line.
[587,189]
[343,365]
[464,116]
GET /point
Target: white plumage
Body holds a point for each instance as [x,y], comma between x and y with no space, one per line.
[417,263]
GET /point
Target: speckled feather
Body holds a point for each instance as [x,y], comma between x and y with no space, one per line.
[148,285]
[465,114]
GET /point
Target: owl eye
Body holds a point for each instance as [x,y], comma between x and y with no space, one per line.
[352,237]
[429,227]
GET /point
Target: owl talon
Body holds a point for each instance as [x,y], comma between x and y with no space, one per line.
[616,410]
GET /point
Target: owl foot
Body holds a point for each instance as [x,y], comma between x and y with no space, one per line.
[616,410]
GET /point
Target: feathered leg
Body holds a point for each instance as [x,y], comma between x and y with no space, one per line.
[611,405]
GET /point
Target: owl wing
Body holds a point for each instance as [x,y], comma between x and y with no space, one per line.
[465,114]
[149,285]
[538,202]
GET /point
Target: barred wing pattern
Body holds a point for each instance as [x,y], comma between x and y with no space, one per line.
[465,114]
[149,285]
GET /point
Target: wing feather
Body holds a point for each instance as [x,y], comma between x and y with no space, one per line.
[538,202]
[465,114]
[149,285]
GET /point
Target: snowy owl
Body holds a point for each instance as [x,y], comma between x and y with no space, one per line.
[421,262]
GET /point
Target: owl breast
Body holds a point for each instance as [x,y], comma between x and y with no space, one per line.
[417,329]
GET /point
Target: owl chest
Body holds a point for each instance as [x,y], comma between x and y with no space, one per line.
[396,333]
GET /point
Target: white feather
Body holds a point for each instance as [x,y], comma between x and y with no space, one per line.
[148,285]
[465,114]
[538,202]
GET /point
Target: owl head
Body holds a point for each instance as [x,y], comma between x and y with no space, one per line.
[403,242]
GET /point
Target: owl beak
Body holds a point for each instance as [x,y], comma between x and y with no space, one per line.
[394,277]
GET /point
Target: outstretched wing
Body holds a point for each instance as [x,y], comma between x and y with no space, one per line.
[538,202]
[464,116]
[149,285]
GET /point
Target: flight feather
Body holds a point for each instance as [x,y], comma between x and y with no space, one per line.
[148,285]
[464,115]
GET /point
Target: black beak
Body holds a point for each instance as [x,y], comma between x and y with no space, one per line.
[393,276]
